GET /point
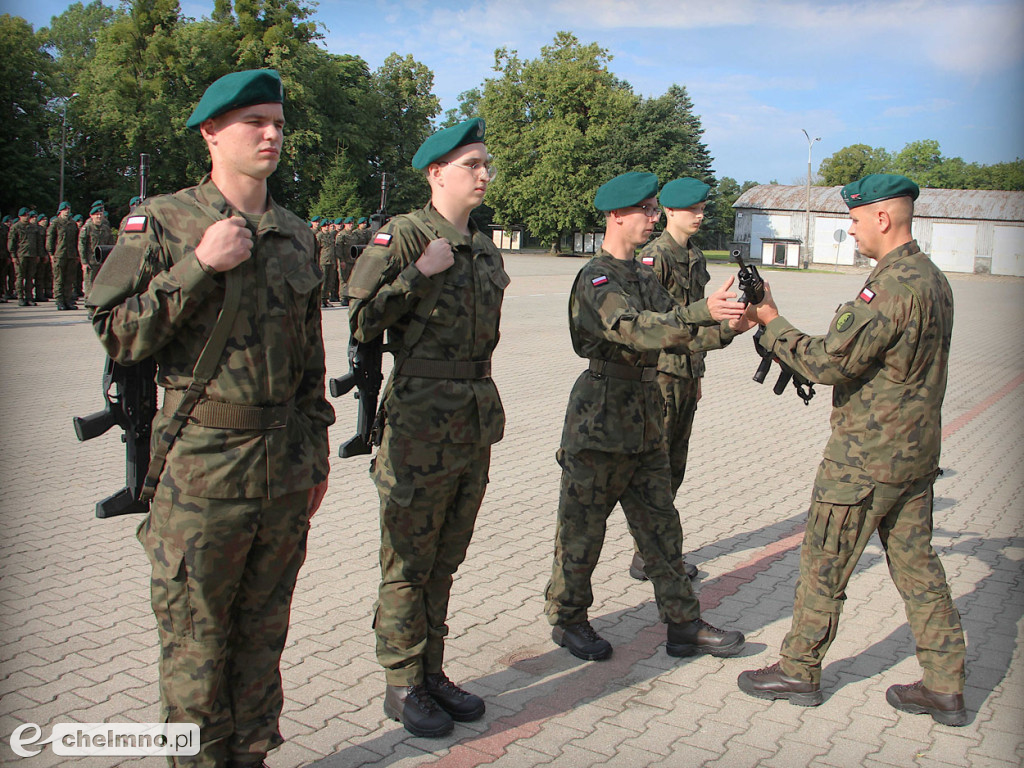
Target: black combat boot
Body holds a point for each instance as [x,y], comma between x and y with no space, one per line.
[463,706]
[692,637]
[416,709]
[582,641]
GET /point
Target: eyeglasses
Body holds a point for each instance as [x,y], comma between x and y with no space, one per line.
[650,211]
[489,170]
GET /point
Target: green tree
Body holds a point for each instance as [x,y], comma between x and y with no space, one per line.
[549,123]
[852,163]
[26,72]
[918,160]
[405,107]
[339,193]
[72,38]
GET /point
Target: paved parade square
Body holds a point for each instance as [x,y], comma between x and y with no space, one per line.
[78,642]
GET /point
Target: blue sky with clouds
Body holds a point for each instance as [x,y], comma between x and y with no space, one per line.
[877,73]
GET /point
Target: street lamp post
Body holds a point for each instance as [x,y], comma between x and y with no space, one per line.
[63,144]
[807,223]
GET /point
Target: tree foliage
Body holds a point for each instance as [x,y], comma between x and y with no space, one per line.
[852,163]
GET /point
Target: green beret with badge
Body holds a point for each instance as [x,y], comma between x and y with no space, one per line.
[96,203]
[626,190]
[877,187]
[447,139]
[63,207]
[683,193]
[95,209]
[237,90]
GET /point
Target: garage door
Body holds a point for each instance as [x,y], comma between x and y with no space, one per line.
[1008,251]
[954,246]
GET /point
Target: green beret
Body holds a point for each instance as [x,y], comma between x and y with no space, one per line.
[96,209]
[349,220]
[338,220]
[97,203]
[447,139]
[6,219]
[77,217]
[314,219]
[32,213]
[683,193]
[134,201]
[362,220]
[63,206]
[625,190]
[878,186]
[23,211]
[239,89]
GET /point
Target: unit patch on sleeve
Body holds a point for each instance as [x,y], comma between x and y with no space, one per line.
[382,238]
[136,224]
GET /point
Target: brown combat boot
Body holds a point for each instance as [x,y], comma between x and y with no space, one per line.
[772,683]
[945,708]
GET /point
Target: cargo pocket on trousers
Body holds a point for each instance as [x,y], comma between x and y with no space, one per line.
[169,590]
[578,478]
[389,485]
[838,514]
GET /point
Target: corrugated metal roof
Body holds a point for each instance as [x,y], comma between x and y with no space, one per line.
[975,204]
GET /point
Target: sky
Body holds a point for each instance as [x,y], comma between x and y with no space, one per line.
[759,73]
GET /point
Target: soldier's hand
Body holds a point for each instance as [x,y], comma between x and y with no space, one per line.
[225,244]
[720,305]
[437,257]
[766,311]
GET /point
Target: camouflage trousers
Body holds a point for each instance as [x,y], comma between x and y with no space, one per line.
[430,494]
[64,273]
[329,288]
[592,483]
[25,277]
[846,508]
[223,573]
[680,407]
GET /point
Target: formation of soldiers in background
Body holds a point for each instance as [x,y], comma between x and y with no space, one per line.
[46,258]
[335,240]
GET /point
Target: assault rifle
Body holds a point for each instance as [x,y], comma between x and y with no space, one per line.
[752,286]
[130,395]
[364,362]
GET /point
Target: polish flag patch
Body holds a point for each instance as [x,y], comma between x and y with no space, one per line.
[599,280]
[648,260]
[867,294]
[382,238]
[136,224]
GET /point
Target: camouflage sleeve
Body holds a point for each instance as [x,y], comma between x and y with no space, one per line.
[51,237]
[614,319]
[309,397]
[142,294]
[385,283]
[857,338]
[12,242]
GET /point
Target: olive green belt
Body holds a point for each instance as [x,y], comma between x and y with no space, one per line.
[623,371]
[218,415]
[446,369]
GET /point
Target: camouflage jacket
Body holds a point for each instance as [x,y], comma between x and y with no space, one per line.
[62,239]
[23,240]
[325,239]
[153,298]
[90,237]
[684,273]
[886,355]
[386,286]
[620,313]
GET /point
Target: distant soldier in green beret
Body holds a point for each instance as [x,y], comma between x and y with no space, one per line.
[362,231]
[94,233]
[681,268]
[886,355]
[62,243]
[44,266]
[346,262]
[26,247]
[435,283]
[613,446]
[325,240]
[218,284]
[6,265]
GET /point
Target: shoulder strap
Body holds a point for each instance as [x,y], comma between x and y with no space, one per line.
[205,367]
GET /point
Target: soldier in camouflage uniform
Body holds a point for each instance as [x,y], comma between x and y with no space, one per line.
[886,355]
[442,413]
[680,267]
[94,233]
[6,265]
[613,446]
[44,266]
[26,248]
[325,238]
[226,535]
[343,247]
[62,242]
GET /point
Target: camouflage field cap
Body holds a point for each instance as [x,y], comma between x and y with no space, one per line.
[239,89]
[878,186]
[447,139]
[682,193]
[625,190]
[63,207]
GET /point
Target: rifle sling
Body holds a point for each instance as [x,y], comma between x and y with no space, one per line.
[205,367]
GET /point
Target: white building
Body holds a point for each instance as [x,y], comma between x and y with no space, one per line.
[963,230]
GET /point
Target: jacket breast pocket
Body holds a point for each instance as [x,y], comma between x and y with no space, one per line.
[295,293]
